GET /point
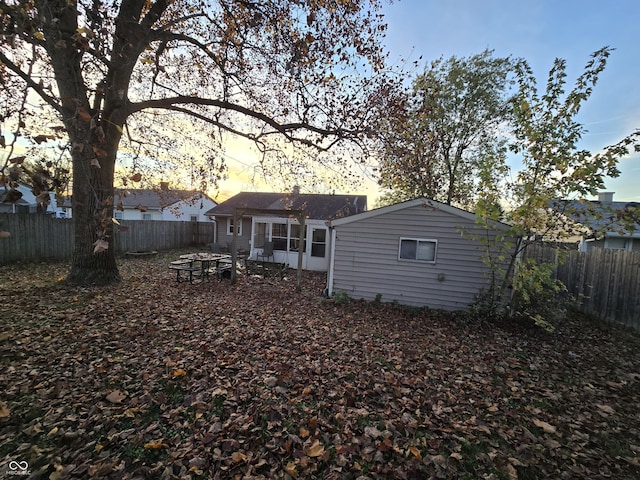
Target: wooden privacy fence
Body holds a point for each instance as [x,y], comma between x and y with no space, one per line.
[39,237]
[605,283]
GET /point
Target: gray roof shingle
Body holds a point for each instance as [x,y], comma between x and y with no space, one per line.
[316,206]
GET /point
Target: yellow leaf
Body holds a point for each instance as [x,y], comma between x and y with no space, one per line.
[39,35]
[155,445]
[314,450]
[179,373]
[52,432]
[415,452]
[98,447]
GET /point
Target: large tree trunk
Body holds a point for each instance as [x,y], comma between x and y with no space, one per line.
[93,151]
[92,212]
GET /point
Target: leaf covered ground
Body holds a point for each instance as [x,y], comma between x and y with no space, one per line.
[154,379]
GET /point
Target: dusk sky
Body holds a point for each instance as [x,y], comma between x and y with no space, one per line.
[540,31]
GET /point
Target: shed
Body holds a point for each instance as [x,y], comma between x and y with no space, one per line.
[419,253]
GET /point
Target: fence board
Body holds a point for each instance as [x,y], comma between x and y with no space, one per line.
[605,283]
[41,237]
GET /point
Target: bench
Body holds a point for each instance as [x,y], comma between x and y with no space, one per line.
[223,270]
[183,266]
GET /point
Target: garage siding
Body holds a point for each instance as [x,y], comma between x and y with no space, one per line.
[366,259]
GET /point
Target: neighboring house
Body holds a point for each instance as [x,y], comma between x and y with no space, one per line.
[417,253]
[162,204]
[604,223]
[284,231]
[22,200]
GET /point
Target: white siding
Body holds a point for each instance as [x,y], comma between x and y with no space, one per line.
[366,259]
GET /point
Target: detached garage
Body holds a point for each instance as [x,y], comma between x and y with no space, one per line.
[418,253]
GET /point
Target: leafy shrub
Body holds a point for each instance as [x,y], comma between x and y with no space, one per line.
[539,296]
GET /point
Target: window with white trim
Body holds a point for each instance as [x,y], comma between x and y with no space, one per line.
[279,235]
[230,227]
[417,250]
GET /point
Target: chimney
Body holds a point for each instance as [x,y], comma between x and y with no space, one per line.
[605,197]
[164,186]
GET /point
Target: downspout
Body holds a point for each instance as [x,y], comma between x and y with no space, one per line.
[332,256]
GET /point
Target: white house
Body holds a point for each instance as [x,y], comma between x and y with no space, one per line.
[162,204]
[21,199]
[419,253]
[266,221]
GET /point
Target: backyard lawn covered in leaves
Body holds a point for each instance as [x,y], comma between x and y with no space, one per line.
[155,379]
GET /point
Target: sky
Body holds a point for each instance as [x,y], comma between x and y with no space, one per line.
[538,31]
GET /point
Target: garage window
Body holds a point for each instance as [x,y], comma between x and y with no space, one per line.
[418,250]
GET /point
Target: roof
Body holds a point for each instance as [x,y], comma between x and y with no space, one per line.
[153,199]
[602,218]
[423,202]
[316,206]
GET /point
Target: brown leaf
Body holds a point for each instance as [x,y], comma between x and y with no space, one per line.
[136,177]
[238,457]
[4,411]
[83,114]
[116,396]
[314,450]
[546,427]
[17,160]
[100,246]
[4,234]
[100,152]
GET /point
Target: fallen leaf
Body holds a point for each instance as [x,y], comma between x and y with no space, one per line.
[546,427]
[116,396]
[4,411]
[179,373]
[314,450]
[155,445]
[238,457]
[291,469]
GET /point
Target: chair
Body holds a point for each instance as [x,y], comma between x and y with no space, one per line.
[267,251]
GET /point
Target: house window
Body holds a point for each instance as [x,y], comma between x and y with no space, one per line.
[194,218]
[230,227]
[417,249]
[318,242]
[146,216]
[118,215]
[279,236]
[616,243]
[294,240]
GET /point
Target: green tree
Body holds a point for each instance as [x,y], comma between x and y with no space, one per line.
[449,125]
[546,136]
[280,73]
